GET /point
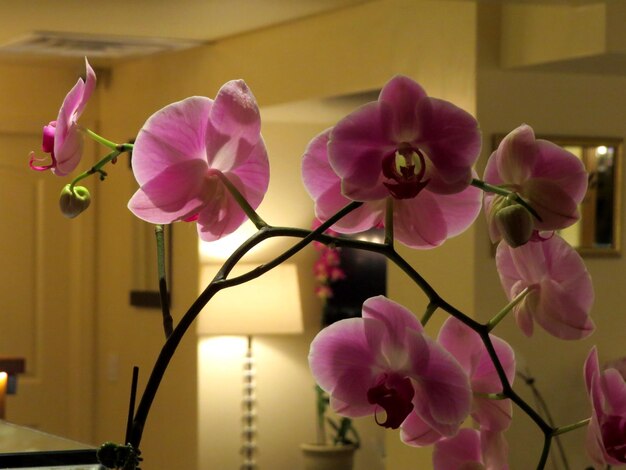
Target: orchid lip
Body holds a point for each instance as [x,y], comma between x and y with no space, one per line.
[394,395]
[405,168]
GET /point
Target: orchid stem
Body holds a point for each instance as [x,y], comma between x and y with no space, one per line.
[97,168]
[170,346]
[490,188]
[168,322]
[491,324]
[100,139]
[430,309]
[570,427]
[243,203]
[118,149]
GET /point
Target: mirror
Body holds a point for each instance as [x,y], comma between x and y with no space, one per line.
[597,233]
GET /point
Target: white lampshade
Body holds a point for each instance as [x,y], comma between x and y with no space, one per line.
[269,304]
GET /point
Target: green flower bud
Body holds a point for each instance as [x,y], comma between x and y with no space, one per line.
[515,224]
[73,201]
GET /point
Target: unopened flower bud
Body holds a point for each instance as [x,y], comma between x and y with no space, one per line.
[73,201]
[515,224]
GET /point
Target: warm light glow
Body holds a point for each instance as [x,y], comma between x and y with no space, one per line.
[4,377]
[219,348]
[269,304]
[220,250]
[601,150]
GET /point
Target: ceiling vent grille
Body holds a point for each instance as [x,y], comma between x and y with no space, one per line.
[92,46]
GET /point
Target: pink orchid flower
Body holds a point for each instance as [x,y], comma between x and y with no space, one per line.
[184,151]
[63,139]
[561,292]
[606,433]
[471,449]
[384,364]
[551,179]
[410,147]
[467,348]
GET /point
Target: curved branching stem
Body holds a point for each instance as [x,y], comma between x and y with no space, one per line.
[430,310]
[220,282]
[116,151]
[265,232]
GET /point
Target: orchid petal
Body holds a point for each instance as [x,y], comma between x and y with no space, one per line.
[417,433]
[606,433]
[492,415]
[341,359]
[452,141]
[494,449]
[456,452]
[173,134]
[468,348]
[460,210]
[324,186]
[561,290]
[560,314]
[516,155]
[443,394]
[419,222]
[402,95]
[221,140]
[235,112]
[394,316]
[554,163]
[555,207]
[88,89]
[68,154]
[406,146]
[175,194]
[356,148]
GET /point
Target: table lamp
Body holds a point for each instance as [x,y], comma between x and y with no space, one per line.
[267,305]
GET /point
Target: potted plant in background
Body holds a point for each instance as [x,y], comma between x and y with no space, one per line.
[334,450]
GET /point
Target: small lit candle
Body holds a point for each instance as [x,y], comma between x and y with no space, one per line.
[3,393]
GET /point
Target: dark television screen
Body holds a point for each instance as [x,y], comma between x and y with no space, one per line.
[365,277]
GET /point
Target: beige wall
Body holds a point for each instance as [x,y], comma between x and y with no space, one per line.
[43,253]
[314,58]
[554,104]
[354,50]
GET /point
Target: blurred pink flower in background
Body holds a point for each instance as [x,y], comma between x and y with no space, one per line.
[606,433]
[63,139]
[561,292]
[183,151]
[410,147]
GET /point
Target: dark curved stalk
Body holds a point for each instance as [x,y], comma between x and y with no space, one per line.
[307,236]
[168,322]
[220,282]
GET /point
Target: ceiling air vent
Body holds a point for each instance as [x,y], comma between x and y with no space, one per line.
[81,45]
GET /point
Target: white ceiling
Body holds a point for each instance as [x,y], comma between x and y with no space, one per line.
[195,20]
[87,24]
